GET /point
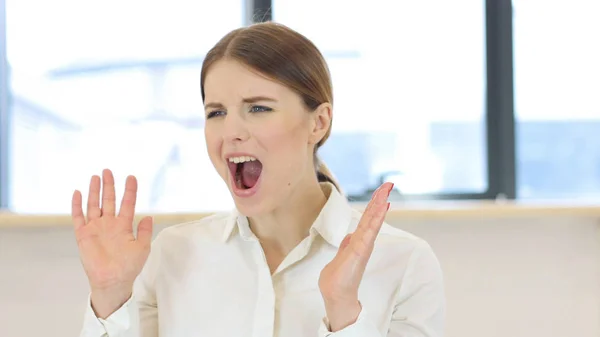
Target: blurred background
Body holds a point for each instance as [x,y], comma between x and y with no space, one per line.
[443,97]
[455,100]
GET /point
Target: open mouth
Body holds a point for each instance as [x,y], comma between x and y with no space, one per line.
[245,171]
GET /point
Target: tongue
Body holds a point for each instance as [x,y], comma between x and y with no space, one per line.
[250,172]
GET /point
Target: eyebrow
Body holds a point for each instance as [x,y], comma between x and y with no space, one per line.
[253,99]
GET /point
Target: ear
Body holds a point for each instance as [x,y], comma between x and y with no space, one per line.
[321,120]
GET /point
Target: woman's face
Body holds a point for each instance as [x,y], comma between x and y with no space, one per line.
[260,136]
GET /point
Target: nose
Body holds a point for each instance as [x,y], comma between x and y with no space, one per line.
[235,129]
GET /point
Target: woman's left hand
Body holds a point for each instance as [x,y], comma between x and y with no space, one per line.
[340,279]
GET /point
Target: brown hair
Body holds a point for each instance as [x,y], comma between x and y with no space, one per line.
[285,56]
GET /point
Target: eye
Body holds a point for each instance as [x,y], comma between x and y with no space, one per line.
[259,108]
[215,113]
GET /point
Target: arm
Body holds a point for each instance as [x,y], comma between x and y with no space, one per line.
[419,304]
[137,316]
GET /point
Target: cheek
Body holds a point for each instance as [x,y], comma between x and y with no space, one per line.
[283,138]
[285,146]
[213,145]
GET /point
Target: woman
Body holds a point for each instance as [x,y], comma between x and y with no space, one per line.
[292,259]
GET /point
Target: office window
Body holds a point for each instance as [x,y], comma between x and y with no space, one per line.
[409,91]
[557,82]
[112,84]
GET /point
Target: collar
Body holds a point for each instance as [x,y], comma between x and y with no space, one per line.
[332,223]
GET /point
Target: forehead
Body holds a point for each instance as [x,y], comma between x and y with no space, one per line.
[229,79]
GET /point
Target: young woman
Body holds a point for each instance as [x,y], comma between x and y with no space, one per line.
[294,259]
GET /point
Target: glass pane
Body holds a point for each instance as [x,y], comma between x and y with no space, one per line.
[557,82]
[112,84]
[409,87]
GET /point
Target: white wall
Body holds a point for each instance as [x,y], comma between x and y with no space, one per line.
[508,277]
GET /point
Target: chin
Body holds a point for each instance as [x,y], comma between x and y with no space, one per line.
[255,205]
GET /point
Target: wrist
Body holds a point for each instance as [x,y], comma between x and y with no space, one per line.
[342,314]
[104,302]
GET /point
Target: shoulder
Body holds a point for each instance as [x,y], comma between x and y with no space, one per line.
[175,245]
[390,234]
[400,247]
[209,228]
[405,263]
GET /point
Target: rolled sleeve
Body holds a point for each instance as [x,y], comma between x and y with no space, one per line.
[363,327]
[114,325]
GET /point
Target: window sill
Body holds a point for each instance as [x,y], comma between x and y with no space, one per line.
[412,211]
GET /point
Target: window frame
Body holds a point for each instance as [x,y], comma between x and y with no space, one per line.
[500,119]
[499,124]
[4,112]
[500,116]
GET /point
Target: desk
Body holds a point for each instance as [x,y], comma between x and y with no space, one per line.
[413,211]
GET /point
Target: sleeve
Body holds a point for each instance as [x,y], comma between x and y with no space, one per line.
[419,309]
[138,317]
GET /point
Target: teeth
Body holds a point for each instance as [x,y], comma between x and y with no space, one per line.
[241,159]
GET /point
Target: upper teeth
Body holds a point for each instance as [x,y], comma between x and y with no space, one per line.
[241,159]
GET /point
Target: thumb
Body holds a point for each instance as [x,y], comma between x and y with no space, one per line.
[344,243]
[144,231]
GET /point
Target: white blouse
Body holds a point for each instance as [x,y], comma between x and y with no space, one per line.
[210,278]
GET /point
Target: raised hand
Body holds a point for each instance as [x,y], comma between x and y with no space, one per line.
[111,255]
[340,279]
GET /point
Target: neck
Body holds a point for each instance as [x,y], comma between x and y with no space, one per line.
[289,224]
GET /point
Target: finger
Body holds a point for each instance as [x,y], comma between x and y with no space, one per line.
[108,193]
[77,210]
[367,213]
[379,210]
[379,198]
[362,242]
[93,204]
[127,209]
[144,231]
[371,222]
[376,222]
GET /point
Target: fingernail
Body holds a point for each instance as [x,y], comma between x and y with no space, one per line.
[388,206]
[390,190]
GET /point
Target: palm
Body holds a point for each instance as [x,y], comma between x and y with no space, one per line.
[111,255]
[340,279]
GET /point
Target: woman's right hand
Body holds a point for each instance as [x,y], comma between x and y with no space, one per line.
[111,255]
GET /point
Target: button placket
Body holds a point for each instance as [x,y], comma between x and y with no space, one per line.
[264,317]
